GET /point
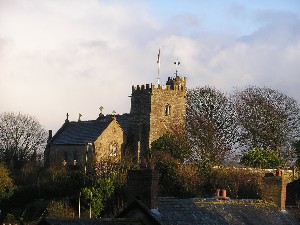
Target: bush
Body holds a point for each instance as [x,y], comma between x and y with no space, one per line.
[178,180]
[60,209]
[177,145]
[238,182]
[98,195]
[6,183]
[260,158]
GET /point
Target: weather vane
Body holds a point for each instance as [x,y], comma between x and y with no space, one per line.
[177,63]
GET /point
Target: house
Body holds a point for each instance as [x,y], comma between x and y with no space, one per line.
[145,207]
[144,201]
[77,143]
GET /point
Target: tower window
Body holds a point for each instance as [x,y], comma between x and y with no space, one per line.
[113,149]
[168,110]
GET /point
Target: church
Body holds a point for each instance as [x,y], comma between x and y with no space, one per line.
[155,110]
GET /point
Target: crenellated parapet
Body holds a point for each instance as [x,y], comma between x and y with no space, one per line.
[175,84]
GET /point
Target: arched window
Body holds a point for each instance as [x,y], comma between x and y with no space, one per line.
[168,110]
[113,149]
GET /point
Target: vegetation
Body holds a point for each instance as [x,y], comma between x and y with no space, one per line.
[188,161]
[22,138]
[177,146]
[98,195]
[211,124]
[260,158]
[296,145]
[6,184]
[60,209]
[267,118]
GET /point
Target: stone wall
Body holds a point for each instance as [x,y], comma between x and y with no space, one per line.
[163,119]
[68,153]
[156,110]
[101,149]
[112,136]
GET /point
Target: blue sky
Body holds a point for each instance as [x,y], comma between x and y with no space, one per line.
[72,56]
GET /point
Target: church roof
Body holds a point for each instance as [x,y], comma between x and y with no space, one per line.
[122,119]
[81,132]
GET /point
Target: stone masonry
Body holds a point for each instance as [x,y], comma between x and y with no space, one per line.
[156,110]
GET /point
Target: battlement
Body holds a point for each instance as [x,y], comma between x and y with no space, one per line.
[174,83]
[152,87]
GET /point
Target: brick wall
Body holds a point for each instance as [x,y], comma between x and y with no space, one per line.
[274,189]
[143,185]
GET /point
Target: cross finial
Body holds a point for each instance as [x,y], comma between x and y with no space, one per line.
[114,114]
[101,108]
[79,116]
[67,120]
[177,63]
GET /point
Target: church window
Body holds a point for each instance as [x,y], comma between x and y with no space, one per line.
[168,110]
[113,149]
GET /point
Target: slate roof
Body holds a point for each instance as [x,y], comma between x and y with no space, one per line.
[82,132]
[79,132]
[76,221]
[123,120]
[174,211]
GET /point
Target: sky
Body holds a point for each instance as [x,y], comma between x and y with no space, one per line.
[73,56]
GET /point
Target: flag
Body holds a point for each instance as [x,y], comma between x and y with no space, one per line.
[158,56]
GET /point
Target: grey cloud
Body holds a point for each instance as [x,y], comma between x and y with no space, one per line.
[237,10]
[279,28]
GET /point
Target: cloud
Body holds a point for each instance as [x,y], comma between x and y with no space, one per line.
[74,56]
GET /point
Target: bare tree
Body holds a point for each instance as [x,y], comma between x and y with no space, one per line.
[22,138]
[211,124]
[267,118]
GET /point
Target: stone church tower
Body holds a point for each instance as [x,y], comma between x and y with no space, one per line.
[155,110]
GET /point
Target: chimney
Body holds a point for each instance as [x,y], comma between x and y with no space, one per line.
[274,189]
[143,185]
[223,193]
[218,194]
[50,136]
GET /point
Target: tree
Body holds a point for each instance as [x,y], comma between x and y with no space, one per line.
[265,159]
[6,183]
[98,195]
[211,124]
[296,146]
[22,138]
[177,146]
[267,118]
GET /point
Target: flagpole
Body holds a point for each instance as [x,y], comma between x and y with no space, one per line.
[158,64]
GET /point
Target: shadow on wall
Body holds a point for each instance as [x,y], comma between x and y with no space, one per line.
[293,193]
